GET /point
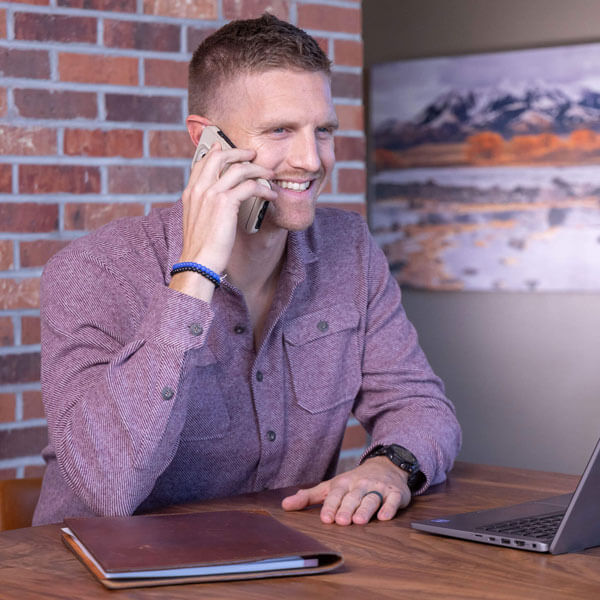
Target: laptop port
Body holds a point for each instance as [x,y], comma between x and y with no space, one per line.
[492,539]
[505,541]
[519,542]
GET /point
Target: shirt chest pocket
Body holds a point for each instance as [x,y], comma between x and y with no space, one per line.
[207,412]
[323,357]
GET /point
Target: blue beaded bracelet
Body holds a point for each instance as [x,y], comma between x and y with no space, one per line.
[197,268]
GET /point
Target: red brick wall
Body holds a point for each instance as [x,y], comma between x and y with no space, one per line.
[92,106]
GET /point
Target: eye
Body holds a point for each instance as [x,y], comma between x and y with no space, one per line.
[325,131]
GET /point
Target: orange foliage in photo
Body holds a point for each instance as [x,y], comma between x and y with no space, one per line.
[486,146]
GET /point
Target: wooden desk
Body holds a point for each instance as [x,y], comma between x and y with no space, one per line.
[383,560]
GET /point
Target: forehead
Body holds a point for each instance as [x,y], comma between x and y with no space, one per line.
[277,93]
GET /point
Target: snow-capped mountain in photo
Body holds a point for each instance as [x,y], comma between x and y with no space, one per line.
[506,110]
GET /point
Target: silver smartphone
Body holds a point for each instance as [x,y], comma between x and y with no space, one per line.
[252,211]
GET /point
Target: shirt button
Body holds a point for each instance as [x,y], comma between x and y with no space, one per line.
[239,329]
[323,325]
[271,435]
[167,393]
[259,376]
[196,329]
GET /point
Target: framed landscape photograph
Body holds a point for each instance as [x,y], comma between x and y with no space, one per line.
[486,169]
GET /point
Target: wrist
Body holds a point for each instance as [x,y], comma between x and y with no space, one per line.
[403,459]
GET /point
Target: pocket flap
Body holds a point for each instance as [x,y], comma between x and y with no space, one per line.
[321,323]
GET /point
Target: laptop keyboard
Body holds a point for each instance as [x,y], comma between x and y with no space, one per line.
[540,527]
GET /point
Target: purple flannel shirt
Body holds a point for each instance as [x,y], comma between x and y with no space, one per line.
[154,397]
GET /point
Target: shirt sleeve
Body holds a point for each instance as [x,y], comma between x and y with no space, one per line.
[111,367]
[402,401]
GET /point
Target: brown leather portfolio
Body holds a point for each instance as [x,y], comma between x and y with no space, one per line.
[167,549]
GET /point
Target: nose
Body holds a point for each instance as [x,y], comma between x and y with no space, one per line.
[304,153]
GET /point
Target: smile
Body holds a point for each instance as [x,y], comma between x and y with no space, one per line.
[293,185]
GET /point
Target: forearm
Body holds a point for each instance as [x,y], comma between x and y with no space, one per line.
[114,406]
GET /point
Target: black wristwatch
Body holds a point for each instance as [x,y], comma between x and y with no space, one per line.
[404,459]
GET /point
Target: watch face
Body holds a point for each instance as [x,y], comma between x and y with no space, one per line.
[403,458]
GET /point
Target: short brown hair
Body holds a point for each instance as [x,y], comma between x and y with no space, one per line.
[249,46]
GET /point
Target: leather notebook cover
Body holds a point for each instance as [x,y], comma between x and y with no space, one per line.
[175,541]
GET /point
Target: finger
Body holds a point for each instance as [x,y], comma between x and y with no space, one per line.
[241,171]
[215,162]
[303,498]
[349,504]
[394,501]
[333,502]
[369,505]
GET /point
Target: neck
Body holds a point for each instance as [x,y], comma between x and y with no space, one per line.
[256,260]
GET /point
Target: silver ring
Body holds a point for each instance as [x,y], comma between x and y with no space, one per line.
[377,494]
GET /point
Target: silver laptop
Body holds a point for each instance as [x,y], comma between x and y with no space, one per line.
[559,524]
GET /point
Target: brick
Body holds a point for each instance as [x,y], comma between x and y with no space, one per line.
[34,471]
[249,9]
[346,85]
[351,117]
[33,407]
[351,181]
[350,148]
[161,204]
[128,143]
[19,293]
[329,18]
[355,437]
[46,104]
[35,2]
[357,207]
[27,217]
[158,37]
[7,407]
[145,180]
[3,102]
[2,23]
[145,109]
[124,6]
[198,9]
[168,144]
[20,368]
[6,255]
[68,179]
[7,334]
[95,68]
[166,73]
[324,45]
[30,330]
[22,441]
[5,178]
[55,28]
[89,216]
[27,141]
[348,53]
[8,474]
[32,64]
[37,253]
[195,36]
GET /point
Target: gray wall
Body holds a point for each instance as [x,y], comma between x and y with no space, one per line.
[523,369]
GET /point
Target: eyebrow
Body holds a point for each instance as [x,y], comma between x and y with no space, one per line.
[332,123]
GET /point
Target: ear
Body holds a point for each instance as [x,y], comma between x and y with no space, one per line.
[195,125]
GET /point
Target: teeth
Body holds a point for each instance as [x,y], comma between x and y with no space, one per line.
[293,185]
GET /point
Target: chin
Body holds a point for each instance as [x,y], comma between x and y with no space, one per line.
[295,220]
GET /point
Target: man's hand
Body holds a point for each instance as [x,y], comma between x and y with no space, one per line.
[218,184]
[346,499]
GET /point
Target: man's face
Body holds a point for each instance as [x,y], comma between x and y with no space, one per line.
[288,118]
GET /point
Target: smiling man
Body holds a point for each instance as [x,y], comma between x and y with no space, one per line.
[184,358]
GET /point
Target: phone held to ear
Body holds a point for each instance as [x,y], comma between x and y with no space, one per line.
[252,211]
